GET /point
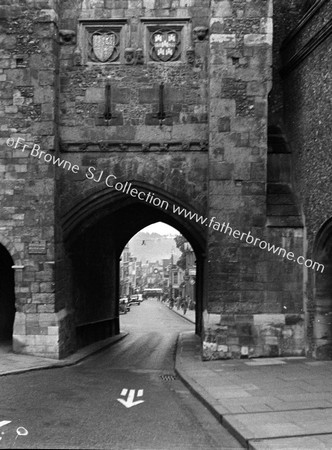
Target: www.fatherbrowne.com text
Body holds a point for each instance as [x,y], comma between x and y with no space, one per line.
[127,188]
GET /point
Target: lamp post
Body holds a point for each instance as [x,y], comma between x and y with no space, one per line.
[171,271]
[171,276]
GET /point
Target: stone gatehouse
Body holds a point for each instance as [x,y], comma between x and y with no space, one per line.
[110,109]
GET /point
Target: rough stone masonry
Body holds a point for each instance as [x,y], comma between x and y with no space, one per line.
[171,96]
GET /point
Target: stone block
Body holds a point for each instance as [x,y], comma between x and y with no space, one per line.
[121,96]
[256,88]
[30,309]
[222,8]
[42,62]
[216,26]
[95,95]
[43,128]
[11,109]
[45,308]
[19,323]
[47,15]
[33,330]
[175,95]
[232,341]
[235,351]
[44,95]
[221,171]
[46,78]
[220,42]
[149,4]
[224,124]
[43,298]
[115,121]
[47,111]
[148,95]
[151,119]
[253,40]
[257,172]
[266,25]
[47,287]
[19,342]
[273,319]
[53,330]
[282,210]
[242,172]
[221,106]
[19,77]
[253,188]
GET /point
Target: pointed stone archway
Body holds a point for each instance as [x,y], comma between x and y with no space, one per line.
[95,233]
[7,295]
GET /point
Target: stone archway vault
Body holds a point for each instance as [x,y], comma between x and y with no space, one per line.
[95,232]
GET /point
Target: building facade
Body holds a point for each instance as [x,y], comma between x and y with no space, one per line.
[198,113]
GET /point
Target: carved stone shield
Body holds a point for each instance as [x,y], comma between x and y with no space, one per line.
[103,45]
[165,44]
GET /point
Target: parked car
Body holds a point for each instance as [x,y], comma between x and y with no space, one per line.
[135,299]
[124,306]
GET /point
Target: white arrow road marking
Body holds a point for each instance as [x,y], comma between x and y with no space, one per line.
[129,402]
[4,422]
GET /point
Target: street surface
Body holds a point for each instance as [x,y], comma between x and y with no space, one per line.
[124,397]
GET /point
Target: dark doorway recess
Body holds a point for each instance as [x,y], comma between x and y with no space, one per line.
[96,232]
[322,329]
[7,295]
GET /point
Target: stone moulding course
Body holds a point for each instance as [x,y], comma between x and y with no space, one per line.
[113,146]
[305,19]
[308,48]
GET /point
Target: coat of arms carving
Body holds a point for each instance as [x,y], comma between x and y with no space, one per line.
[104,46]
[165,45]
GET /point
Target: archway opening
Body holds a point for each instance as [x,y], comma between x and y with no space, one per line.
[322,329]
[95,244]
[7,295]
[158,264]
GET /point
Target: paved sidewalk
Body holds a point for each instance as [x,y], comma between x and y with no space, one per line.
[11,363]
[190,315]
[267,403]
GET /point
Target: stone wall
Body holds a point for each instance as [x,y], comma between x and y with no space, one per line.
[192,130]
[245,312]
[286,14]
[240,79]
[306,74]
[28,66]
[168,156]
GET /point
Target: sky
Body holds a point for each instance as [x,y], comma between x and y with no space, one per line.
[161,228]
